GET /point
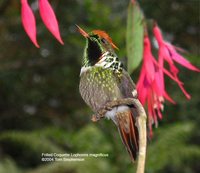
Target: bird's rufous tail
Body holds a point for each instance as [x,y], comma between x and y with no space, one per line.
[128,132]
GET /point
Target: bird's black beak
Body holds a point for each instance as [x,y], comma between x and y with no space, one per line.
[82,32]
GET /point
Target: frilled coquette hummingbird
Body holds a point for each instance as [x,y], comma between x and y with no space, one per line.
[103,79]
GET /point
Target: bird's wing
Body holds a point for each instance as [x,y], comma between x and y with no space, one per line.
[127,86]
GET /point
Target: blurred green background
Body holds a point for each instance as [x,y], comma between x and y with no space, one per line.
[41,110]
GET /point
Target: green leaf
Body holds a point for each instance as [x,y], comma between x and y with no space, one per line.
[134,36]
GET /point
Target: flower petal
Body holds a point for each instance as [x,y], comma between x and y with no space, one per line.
[167,72]
[167,97]
[180,59]
[184,91]
[148,63]
[28,21]
[49,19]
[157,33]
[159,82]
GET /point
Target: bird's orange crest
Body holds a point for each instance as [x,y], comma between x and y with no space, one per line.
[104,35]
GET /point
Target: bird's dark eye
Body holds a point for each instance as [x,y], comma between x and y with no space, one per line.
[103,40]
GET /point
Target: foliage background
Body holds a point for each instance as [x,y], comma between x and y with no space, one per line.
[40,106]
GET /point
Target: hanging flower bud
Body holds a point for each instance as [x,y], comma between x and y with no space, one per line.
[28,21]
[49,19]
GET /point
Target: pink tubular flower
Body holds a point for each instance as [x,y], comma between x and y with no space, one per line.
[49,19]
[150,86]
[28,21]
[169,53]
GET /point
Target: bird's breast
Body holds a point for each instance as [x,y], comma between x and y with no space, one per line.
[99,86]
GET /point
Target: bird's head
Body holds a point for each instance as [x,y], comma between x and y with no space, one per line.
[97,43]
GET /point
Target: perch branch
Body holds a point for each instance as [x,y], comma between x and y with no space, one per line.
[141,124]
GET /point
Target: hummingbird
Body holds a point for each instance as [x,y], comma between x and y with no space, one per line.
[103,79]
